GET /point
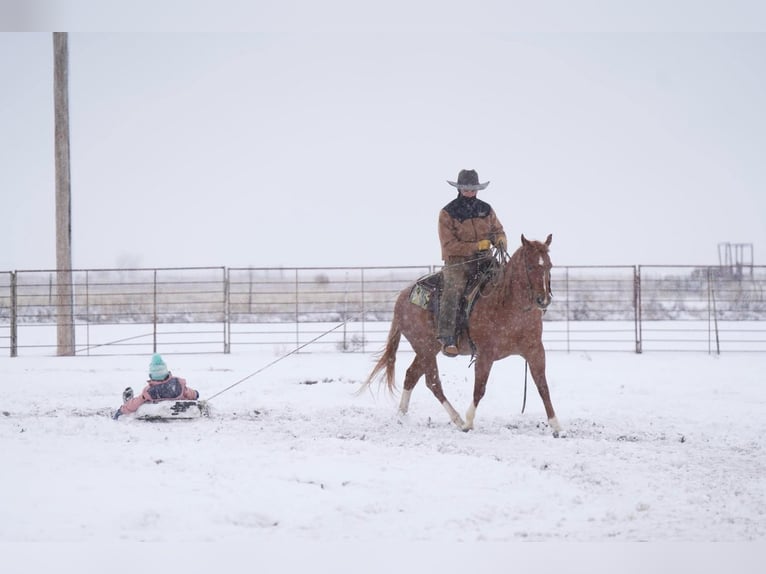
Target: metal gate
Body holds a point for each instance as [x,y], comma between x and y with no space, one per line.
[219,310]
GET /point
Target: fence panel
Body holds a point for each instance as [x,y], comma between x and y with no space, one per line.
[290,307]
[7,313]
[128,311]
[595,308]
[710,309]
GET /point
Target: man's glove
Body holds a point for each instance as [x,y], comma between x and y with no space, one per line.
[483,245]
[117,414]
[501,243]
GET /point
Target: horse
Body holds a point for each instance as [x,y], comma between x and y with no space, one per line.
[507,319]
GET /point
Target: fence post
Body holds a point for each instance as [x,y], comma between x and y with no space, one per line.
[87,312]
[250,292]
[226,312]
[712,309]
[637,307]
[297,312]
[154,320]
[566,316]
[364,325]
[14,316]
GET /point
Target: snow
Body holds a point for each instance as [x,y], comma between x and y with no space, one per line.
[660,447]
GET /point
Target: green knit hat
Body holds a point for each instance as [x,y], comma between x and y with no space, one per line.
[158,370]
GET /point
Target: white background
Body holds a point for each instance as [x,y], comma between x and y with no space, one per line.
[332,146]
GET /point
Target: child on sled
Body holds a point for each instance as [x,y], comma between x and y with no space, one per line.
[162,386]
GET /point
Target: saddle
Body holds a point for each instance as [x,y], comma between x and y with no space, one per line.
[426,292]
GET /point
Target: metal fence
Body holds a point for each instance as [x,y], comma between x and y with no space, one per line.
[218,309]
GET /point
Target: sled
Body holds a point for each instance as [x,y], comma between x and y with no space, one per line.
[171,410]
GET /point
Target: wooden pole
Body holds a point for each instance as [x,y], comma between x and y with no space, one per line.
[64,298]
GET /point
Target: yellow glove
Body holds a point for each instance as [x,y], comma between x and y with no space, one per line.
[483,245]
[501,243]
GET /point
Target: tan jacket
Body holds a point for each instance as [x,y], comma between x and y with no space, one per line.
[463,223]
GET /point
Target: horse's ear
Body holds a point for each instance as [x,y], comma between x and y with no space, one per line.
[524,240]
[550,238]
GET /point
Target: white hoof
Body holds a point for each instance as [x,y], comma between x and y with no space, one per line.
[453,415]
[556,428]
[404,403]
[470,415]
[458,422]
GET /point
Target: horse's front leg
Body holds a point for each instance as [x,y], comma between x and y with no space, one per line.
[536,361]
[434,383]
[481,375]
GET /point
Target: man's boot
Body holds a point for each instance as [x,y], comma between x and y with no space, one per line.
[449,346]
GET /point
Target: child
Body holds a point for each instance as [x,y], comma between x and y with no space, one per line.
[162,387]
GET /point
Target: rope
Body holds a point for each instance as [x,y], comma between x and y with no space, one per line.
[275,361]
[474,259]
[524,404]
[115,342]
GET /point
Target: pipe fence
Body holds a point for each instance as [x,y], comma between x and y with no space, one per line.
[222,310]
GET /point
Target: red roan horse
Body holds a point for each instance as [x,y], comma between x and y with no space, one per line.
[507,319]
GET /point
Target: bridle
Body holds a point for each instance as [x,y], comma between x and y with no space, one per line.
[530,289]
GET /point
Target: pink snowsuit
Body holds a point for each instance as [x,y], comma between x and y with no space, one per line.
[169,389]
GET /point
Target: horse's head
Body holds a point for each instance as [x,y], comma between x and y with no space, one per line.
[537,267]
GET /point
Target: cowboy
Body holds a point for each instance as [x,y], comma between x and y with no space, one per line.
[468,228]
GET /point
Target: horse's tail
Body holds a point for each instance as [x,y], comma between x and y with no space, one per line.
[387,359]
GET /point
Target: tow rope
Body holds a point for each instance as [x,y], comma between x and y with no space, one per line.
[275,361]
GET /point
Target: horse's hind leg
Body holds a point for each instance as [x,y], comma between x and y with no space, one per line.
[411,378]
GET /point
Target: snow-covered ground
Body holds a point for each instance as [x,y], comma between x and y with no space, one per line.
[659,447]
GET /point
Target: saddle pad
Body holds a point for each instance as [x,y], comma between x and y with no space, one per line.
[425,292]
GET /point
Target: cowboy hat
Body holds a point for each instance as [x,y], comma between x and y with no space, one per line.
[468,179]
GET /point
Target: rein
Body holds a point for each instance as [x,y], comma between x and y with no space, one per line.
[526,371]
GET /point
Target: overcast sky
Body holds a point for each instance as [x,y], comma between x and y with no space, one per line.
[334,149]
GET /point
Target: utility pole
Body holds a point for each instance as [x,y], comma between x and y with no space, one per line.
[64,294]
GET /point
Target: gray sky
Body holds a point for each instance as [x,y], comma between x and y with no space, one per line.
[314,149]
